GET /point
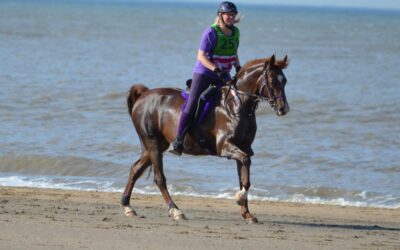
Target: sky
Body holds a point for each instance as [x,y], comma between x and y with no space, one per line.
[376,4]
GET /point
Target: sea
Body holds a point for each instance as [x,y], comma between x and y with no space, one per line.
[66,67]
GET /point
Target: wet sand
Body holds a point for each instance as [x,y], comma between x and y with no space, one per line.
[61,219]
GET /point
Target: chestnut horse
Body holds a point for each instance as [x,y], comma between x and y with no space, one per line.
[229,128]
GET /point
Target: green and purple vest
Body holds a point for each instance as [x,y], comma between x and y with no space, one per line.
[225,51]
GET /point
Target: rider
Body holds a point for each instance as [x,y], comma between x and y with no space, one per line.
[215,57]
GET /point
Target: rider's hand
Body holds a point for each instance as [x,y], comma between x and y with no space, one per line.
[218,72]
[221,74]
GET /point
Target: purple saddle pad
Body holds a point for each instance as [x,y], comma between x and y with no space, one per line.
[207,107]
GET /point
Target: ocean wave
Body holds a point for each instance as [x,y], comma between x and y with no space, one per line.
[357,199]
[57,182]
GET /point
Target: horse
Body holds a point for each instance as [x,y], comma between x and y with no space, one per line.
[229,128]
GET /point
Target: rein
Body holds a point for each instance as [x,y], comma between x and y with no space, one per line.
[236,93]
[269,97]
[257,97]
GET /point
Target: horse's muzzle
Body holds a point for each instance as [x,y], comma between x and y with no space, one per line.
[282,110]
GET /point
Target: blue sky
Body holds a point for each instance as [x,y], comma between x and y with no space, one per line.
[378,4]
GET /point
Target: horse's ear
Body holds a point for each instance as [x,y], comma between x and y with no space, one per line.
[270,63]
[285,60]
[284,63]
[272,60]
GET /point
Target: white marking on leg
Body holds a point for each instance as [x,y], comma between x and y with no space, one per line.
[176,214]
[128,210]
[241,197]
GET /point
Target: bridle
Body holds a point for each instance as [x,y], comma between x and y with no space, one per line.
[270,98]
[237,93]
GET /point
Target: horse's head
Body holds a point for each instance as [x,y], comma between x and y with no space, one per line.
[271,84]
[264,79]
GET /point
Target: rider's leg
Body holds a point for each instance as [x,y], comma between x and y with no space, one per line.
[200,82]
[182,129]
[205,95]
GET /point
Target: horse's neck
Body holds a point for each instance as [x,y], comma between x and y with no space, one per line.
[247,82]
[240,122]
[244,103]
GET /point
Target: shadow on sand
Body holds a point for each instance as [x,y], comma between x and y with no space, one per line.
[351,227]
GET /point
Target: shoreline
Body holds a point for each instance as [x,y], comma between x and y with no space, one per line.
[57,219]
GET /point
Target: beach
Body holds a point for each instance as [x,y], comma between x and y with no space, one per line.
[69,64]
[62,219]
[324,176]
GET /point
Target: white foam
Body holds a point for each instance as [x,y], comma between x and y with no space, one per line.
[104,185]
[67,183]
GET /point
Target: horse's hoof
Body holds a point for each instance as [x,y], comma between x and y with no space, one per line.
[252,220]
[176,214]
[128,210]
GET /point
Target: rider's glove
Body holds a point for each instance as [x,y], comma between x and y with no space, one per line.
[221,74]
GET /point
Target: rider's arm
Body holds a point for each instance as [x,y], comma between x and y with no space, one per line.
[237,61]
[202,57]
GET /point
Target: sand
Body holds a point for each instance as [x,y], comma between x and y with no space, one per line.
[61,219]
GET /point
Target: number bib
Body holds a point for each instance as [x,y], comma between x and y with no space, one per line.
[226,49]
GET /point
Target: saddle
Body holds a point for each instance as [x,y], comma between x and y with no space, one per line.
[206,102]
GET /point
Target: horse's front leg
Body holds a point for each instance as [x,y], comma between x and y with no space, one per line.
[243,168]
[243,161]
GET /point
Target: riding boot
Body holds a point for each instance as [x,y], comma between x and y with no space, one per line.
[177,145]
[182,129]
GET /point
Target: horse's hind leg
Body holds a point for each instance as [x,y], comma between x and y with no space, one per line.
[136,171]
[161,182]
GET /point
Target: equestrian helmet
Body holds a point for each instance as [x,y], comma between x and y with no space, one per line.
[226,7]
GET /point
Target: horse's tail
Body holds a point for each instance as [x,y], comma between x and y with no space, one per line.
[134,93]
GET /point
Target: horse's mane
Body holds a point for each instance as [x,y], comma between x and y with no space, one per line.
[279,63]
